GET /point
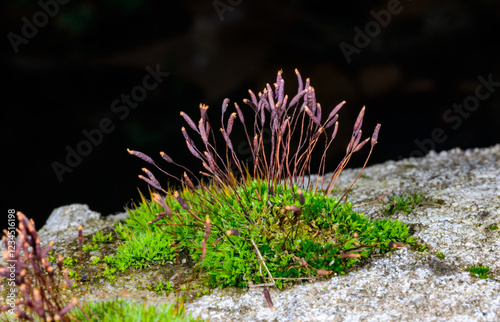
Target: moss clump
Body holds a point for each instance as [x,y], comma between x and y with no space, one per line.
[246,221]
[295,240]
[118,311]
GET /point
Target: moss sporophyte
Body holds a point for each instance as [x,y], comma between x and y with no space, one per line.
[264,221]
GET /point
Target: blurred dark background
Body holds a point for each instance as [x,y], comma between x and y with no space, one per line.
[65,63]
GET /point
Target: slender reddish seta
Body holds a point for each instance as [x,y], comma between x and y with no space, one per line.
[302,199]
[268,299]
[80,235]
[350,255]
[66,309]
[205,237]
[66,278]
[323,272]
[394,245]
[47,249]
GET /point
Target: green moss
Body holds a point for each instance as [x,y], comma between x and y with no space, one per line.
[411,241]
[440,255]
[118,311]
[421,248]
[109,273]
[96,260]
[160,287]
[321,238]
[69,261]
[74,275]
[91,247]
[405,202]
[51,258]
[479,271]
[99,237]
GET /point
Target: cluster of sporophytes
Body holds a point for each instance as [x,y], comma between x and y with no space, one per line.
[264,221]
[40,288]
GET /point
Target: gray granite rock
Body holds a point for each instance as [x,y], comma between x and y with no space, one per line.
[462,190]
[63,222]
[69,217]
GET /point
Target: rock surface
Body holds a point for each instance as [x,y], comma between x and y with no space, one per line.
[462,190]
[458,217]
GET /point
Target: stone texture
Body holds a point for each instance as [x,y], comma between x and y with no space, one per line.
[462,190]
[69,217]
[62,224]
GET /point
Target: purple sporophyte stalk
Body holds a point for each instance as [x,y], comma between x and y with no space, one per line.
[296,127]
[42,291]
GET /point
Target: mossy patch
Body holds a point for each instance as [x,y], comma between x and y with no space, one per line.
[320,237]
[117,311]
[405,202]
[480,271]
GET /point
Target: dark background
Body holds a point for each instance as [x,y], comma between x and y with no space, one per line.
[65,78]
